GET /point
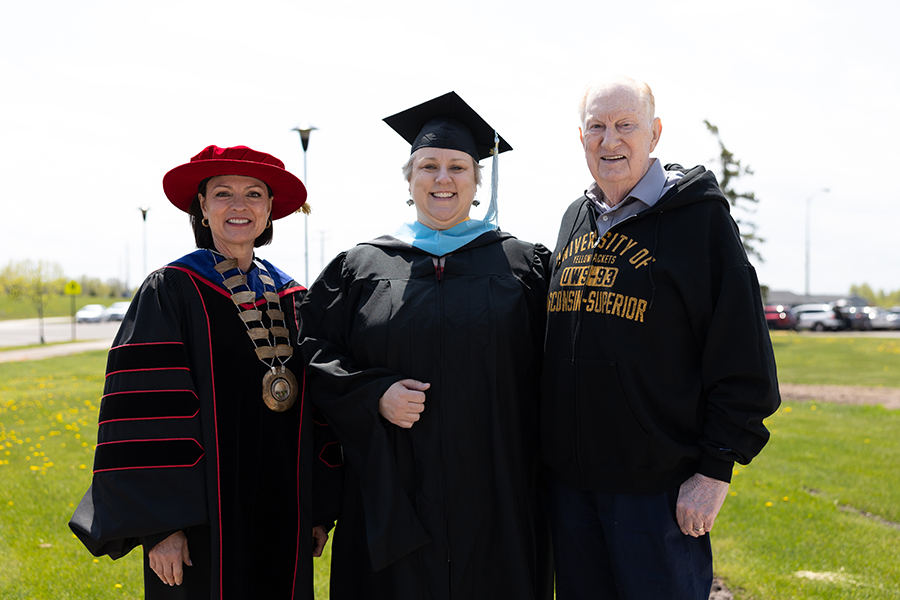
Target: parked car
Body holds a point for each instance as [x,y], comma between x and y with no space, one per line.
[91,313]
[779,316]
[117,310]
[856,317]
[881,318]
[817,317]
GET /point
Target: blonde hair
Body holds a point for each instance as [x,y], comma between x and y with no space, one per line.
[407,168]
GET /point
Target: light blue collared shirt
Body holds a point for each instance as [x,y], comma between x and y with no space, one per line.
[652,186]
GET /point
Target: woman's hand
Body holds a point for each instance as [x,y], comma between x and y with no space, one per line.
[403,402]
[166,558]
[320,536]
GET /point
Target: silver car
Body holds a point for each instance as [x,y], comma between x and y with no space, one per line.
[817,317]
[881,318]
[91,313]
[117,310]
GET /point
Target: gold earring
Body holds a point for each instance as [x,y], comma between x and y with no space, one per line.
[205,222]
[269,223]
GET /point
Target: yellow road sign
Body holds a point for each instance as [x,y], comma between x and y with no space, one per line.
[73,288]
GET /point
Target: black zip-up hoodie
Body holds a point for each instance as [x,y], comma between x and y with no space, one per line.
[658,362]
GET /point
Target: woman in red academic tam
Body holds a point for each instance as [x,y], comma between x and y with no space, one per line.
[206,440]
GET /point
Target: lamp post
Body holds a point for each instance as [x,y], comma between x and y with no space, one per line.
[144,215]
[808,204]
[304,131]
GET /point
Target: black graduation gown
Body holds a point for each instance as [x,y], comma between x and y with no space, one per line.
[186,443]
[449,508]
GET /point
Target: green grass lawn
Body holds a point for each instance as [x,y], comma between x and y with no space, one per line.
[813,517]
[817,514]
[837,359]
[56,306]
[48,428]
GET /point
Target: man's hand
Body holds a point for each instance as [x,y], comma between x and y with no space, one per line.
[699,501]
[403,402]
[166,558]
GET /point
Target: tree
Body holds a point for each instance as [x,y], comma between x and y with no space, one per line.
[33,282]
[879,298]
[732,170]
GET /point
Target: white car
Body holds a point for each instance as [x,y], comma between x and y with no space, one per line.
[117,310]
[91,313]
[817,317]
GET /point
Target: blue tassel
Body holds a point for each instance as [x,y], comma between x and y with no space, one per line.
[491,215]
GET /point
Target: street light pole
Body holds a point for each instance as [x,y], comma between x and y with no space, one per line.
[808,205]
[144,215]
[304,131]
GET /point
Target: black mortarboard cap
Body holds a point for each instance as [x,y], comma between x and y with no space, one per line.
[446,122]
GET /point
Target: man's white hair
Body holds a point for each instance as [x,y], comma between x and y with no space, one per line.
[640,87]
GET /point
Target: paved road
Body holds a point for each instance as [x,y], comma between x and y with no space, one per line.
[25,332]
[50,351]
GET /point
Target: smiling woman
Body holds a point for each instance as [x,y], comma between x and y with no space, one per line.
[424,349]
[442,185]
[204,450]
[236,211]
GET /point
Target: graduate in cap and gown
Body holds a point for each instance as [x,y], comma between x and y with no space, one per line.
[424,352]
[206,439]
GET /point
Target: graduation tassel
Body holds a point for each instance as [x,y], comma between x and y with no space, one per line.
[491,215]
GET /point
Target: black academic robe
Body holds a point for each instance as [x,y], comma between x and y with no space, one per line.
[186,443]
[448,509]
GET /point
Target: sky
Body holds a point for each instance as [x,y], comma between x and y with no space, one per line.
[101,98]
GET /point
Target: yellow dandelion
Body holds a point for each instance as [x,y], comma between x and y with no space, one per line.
[866,440]
[10,503]
[733,493]
[786,409]
[769,504]
[118,585]
[82,467]
[96,560]
[786,499]
[813,407]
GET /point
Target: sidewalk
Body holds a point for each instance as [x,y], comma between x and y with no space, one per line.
[50,351]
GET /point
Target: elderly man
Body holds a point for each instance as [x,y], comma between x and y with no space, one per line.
[658,370]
